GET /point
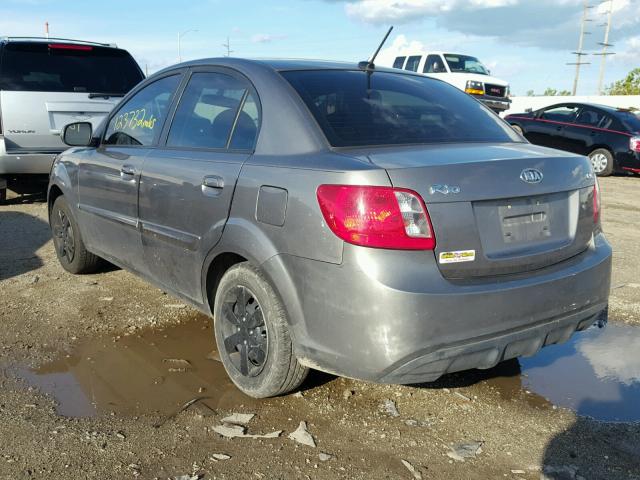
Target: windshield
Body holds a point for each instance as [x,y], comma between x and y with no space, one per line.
[464,63]
[42,67]
[354,108]
[631,120]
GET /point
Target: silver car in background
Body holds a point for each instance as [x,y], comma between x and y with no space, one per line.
[46,84]
[367,222]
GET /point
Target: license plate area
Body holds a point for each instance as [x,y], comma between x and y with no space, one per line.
[526,225]
[525,220]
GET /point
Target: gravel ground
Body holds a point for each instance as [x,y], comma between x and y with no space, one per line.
[122,358]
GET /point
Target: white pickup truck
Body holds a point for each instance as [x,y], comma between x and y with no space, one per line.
[462,71]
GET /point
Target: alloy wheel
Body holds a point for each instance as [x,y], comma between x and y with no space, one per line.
[244,331]
[599,161]
[63,238]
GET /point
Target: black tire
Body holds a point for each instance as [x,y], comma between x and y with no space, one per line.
[252,334]
[517,128]
[602,162]
[3,194]
[70,249]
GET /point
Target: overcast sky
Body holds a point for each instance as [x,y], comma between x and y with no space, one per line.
[527,42]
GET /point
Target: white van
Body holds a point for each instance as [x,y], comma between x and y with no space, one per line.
[462,71]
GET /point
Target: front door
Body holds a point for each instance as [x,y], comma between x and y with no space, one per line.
[187,186]
[109,177]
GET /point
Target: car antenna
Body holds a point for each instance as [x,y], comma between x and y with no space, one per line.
[368,65]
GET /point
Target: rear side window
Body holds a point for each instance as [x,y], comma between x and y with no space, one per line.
[208,111]
[354,108]
[399,62]
[139,121]
[54,67]
[412,63]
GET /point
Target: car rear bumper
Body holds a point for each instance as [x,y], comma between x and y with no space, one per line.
[25,163]
[391,317]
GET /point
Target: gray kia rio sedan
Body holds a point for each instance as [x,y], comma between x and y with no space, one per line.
[371,223]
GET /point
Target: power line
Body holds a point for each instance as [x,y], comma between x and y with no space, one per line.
[580,52]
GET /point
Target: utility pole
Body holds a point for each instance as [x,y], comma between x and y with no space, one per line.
[605,45]
[228,47]
[46,29]
[580,53]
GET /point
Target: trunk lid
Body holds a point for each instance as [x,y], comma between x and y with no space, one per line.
[487,219]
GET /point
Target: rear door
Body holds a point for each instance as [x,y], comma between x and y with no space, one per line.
[585,133]
[187,186]
[45,86]
[109,176]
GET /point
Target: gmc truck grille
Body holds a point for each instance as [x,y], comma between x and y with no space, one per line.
[494,90]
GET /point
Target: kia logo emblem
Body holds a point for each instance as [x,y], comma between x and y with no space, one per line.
[531,175]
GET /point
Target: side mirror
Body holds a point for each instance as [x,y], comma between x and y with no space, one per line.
[528,110]
[78,134]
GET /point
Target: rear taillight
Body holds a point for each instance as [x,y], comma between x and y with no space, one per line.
[380,217]
[596,202]
[634,144]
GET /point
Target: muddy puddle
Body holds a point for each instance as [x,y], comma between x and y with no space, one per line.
[596,374]
[151,371]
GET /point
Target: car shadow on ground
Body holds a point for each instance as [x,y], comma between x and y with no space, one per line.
[21,236]
[593,449]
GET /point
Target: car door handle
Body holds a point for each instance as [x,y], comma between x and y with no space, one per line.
[213,181]
[127,171]
[559,129]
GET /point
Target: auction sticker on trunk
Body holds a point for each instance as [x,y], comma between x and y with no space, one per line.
[458,256]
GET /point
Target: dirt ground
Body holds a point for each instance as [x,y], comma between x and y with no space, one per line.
[94,371]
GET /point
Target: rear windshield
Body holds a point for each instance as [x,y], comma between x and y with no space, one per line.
[631,120]
[42,67]
[354,108]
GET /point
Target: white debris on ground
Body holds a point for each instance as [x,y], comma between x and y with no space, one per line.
[390,408]
[415,473]
[302,436]
[238,418]
[460,451]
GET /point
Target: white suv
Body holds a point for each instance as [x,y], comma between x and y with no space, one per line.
[462,71]
[46,84]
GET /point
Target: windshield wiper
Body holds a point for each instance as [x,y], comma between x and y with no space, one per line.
[105,95]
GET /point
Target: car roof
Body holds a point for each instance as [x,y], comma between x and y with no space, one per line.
[281,64]
[53,40]
[606,108]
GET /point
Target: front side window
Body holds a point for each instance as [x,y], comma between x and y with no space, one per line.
[139,121]
[562,113]
[399,62]
[355,108]
[434,64]
[208,111]
[465,63]
[59,67]
[413,62]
